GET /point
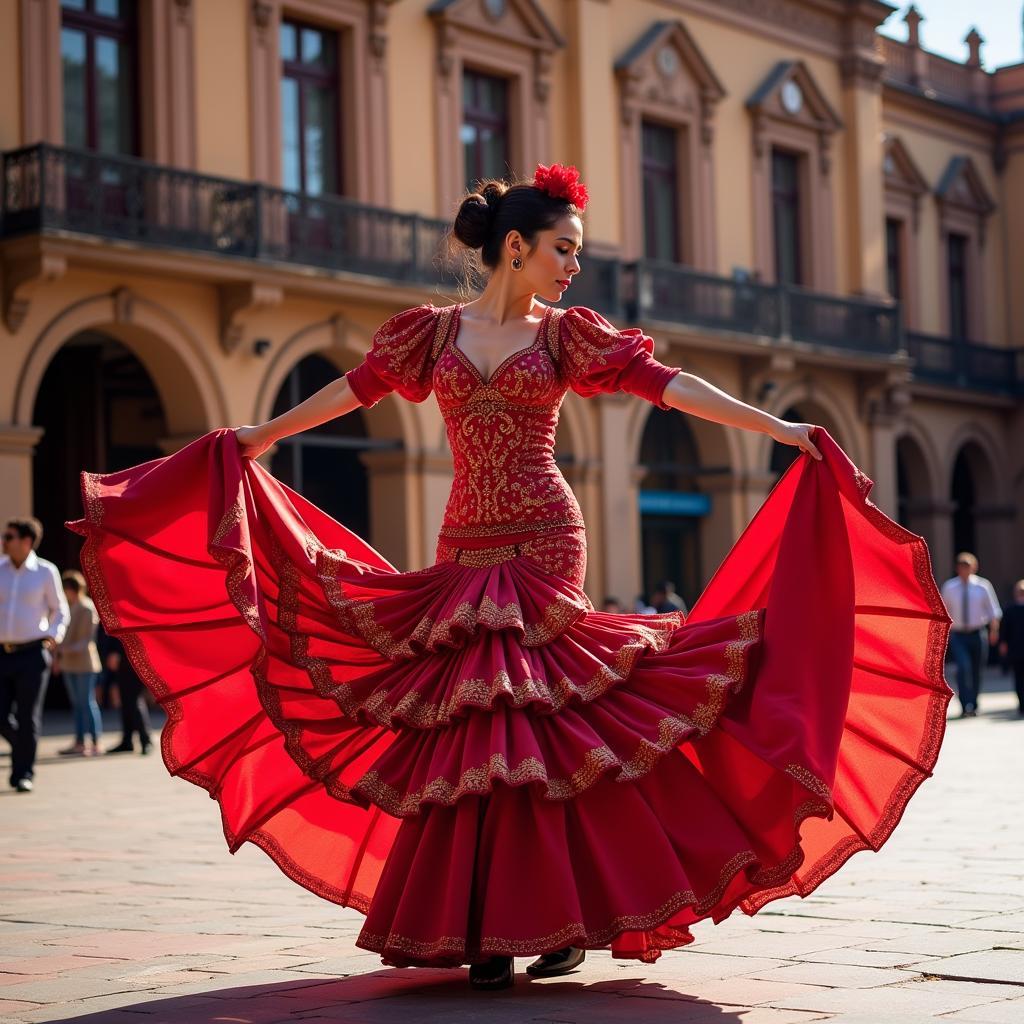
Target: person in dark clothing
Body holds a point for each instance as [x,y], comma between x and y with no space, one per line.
[1011,641]
[665,599]
[134,710]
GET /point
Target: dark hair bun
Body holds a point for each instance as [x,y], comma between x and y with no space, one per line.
[476,214]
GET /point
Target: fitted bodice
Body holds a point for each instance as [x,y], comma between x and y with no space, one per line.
[502,435]
[502,430]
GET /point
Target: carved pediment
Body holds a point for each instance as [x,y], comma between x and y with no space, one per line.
[899,170]
[665,70]
[790,93]
[511,21]
[961,186]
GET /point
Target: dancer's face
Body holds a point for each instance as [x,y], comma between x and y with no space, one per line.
[550,266]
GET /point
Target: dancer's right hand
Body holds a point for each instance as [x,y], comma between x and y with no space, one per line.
[253,441]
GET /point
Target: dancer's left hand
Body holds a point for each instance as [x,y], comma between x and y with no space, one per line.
[798,434]
[253,441]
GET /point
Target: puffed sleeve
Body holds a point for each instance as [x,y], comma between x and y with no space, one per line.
[597,358]
[400,358]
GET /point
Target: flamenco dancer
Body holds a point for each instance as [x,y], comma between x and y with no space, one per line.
[470,754]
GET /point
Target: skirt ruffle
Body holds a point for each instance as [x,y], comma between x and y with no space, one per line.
[480,762]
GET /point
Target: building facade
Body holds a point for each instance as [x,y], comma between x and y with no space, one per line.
[209,205]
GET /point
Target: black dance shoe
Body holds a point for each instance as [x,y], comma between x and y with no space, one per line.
[496,973]
[562,961]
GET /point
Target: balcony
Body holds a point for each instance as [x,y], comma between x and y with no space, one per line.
[49,188]
[955,363]
[55,190]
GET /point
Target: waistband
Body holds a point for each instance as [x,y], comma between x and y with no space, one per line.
[492,540]
[28,645]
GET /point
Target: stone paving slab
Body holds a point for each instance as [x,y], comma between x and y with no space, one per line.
[120,905]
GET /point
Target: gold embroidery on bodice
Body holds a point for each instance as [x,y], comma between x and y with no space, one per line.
[502,435]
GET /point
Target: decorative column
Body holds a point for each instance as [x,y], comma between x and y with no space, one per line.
[592,132]
[619,532]
[861,69]
[17,449]
[42,86]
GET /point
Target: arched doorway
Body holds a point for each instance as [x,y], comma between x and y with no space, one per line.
[100,411]
[783,455]
[915,495]
[672,505]
[972,485]
[324,464]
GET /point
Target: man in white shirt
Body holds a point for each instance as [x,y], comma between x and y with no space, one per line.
[972,605]
[33,618]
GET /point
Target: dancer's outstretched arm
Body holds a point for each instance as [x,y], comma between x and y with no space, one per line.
[689,393]
[335,399]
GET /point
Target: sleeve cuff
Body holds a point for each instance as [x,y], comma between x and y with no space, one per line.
[366,385]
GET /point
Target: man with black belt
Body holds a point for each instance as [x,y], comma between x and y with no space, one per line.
[972,605]
[33,618]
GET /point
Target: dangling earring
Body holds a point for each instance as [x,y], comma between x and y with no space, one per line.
[517,263]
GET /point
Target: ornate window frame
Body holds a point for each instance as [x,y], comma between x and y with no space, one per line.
[964,206]
[167,113]
[904,186]
[664,77]
[789,111]
[363,107]
[510,38]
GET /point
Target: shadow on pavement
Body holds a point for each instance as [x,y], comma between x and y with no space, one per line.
[424,995]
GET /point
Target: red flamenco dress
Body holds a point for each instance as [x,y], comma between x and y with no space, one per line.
[470,754]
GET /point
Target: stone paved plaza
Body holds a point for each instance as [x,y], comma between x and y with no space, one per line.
[121,905]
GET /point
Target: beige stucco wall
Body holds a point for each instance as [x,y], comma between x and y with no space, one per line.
[222,85]
[10,71]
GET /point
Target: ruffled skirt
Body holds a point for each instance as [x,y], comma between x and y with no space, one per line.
[481,763]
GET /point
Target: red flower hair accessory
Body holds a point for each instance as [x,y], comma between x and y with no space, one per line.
[563,183]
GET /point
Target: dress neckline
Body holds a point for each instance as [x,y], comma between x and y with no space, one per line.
[454,344]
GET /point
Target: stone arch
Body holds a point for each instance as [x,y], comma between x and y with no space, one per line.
[974,488]
[170,351]
[344,345]
[973,433]
[718,445]
[931,471]
[917,481]
[819,405]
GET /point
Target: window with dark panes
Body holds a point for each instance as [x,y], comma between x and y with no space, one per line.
[894,257]
[98,58]
[660,172]
[311,160]
[786,216]
[485,129]
[956,276]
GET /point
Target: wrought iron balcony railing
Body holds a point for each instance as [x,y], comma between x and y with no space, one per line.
[49,187]
[667,291]
[53,188]
[953,362]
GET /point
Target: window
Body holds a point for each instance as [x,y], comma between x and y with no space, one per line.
[957,283]
[98,57]
[309,109]
[786,216]
[893,257]
[485,131]
[660,155]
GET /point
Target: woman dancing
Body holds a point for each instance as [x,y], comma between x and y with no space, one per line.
[470,754]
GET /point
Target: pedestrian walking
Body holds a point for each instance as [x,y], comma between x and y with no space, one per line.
[974,608]
[33,618]
[78,661]
[134,709]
